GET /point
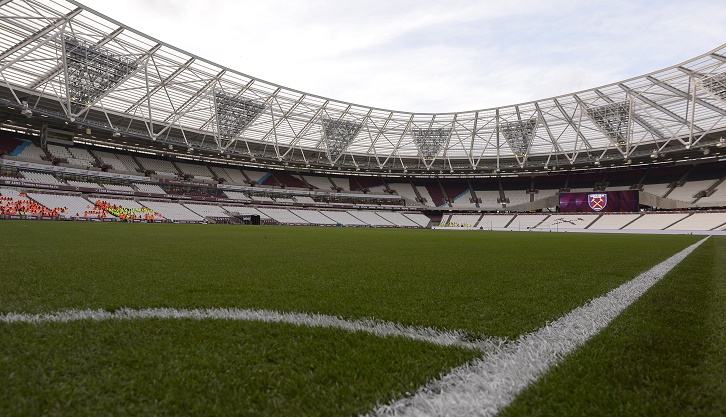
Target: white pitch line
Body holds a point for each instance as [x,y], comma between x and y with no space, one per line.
[485,386]
[371,326]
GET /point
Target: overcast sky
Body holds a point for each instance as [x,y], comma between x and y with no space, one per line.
[432,56]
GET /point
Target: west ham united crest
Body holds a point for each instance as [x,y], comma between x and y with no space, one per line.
[597,202]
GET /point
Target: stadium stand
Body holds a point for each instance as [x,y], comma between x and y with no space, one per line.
[701,221]
[418,218]
[321,183]
[15,203]
[241,211]
[212,211]
[236,195]
[197,171]
[40,177]
[343,217]
[463,220]
[119,187]
[172,211]
[614,221]
[83,184]
[305,200]
[655,221]
[70,206]
[406,191]
[687,192]
[160,167]
[149,188]
[370,218]
[112,160]
[489,199]
[313,217]
[257,177]
[283,216]
[81,157]
[397,219]
[562,221]
[491,221]
[130,163]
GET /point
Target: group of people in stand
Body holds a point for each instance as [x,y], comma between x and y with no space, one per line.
[23,206]
[126,213]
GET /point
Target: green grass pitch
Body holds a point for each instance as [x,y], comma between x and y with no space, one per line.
[484,283]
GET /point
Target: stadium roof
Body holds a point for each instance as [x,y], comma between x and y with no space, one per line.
[74,69]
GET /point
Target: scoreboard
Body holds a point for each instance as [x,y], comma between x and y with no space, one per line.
[599,202]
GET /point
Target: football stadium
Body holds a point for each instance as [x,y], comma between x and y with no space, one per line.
[181,238]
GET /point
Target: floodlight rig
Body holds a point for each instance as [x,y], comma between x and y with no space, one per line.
[430,141]
[91,72]
[26,110]
[338,135]
[615,121]
[519,135]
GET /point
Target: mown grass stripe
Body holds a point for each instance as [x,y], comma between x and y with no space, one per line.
[486,385]
[371,326]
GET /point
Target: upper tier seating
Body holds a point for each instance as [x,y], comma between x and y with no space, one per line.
[81,157]
[688,191]
[60,152]
[113,161]
[488,199]
[161,167]
[321,183]
[405,190]
[463,200]
[196,170]
[32,153]
[255,176]
[129,162]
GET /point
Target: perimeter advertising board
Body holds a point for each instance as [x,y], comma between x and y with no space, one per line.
[599,202]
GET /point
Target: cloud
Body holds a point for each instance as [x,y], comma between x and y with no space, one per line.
[433,56]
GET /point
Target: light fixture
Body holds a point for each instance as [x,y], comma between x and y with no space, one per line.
[116,133]
[706,151]
[654,155]
[88,130]
[26,111]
